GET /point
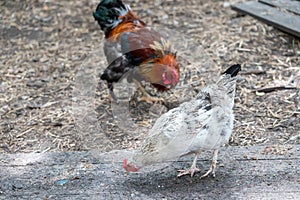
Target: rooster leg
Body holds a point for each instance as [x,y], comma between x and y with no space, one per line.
[213,165]
[113,96]
[190,171]
[146,97]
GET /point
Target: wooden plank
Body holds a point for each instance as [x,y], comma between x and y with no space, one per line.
[289,5]
[246,174]
[270,15]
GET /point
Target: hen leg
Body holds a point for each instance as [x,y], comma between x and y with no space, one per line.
[213,165]
[190,171]
[146,97]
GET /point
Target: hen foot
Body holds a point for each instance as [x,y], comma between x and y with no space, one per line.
[211,170]
[190,171]
[213,165]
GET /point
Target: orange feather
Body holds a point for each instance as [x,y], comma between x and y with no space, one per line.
[128,24]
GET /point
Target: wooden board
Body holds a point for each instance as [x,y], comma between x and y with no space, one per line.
[289,5]
[275,16]
[242,173]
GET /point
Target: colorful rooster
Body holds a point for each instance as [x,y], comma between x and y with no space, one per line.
[134,50]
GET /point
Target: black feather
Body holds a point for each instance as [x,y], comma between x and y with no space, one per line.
[116,69]
[107,12]
[233,70]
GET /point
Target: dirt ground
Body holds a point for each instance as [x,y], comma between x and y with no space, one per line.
[52,100]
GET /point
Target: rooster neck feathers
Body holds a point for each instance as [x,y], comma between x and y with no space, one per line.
[115,17]
[129,23]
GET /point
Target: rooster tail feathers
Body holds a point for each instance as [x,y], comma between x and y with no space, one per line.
[108,14]
[233,70]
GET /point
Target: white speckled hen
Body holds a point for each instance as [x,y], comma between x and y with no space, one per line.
[204,123]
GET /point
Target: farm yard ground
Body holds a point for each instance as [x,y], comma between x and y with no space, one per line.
[46,44]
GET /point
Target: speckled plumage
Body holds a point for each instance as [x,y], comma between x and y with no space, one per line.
[204,123]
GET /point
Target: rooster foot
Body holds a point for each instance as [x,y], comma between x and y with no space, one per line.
[190,171]
[107,97]
[111,96]
[150,99]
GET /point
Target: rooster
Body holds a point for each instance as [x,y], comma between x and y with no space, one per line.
[134,50]
[204,123]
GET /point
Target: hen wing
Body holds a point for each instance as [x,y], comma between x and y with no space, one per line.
[174,132]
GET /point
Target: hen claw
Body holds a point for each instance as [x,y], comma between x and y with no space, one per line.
[190,171]
[211,170]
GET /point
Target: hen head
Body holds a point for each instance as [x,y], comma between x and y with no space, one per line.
[130,167]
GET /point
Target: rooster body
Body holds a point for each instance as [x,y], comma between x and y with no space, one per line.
[204,123]
[134,50]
